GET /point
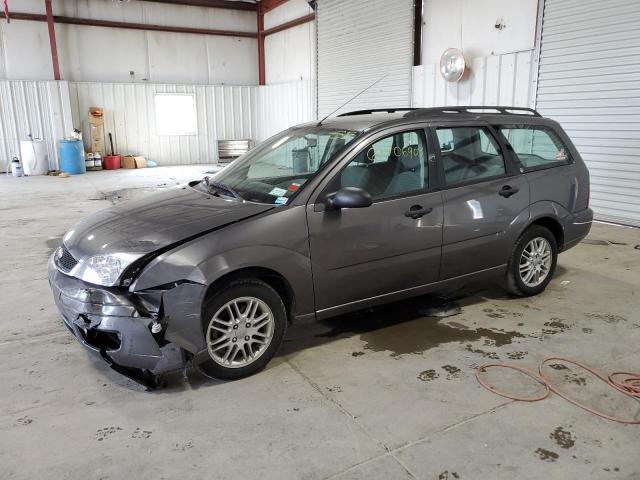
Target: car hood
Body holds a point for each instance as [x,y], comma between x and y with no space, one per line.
[155,222]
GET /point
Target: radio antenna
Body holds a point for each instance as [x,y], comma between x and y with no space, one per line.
[352,99]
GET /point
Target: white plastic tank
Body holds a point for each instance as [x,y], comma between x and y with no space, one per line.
[35,158]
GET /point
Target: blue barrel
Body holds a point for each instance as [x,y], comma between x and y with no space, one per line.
[72,157]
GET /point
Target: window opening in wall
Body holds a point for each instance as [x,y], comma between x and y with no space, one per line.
[176,114]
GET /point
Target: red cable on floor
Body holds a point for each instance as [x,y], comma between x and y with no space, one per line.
[627,383]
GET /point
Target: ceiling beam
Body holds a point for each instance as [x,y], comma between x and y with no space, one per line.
[228,4]
[127,25]
[293,23]
[268,5]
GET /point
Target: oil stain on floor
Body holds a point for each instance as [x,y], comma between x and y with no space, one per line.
[424,334]
[399,329]
[546,455]
[428,375]
[555,325]
[563,437]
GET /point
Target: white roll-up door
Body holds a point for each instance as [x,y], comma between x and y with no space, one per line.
[359,41]
[589,81]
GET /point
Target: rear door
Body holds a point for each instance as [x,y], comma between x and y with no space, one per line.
[363,255]
[483,194]
[548,165]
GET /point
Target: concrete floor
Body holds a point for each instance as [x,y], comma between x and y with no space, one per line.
[388,393]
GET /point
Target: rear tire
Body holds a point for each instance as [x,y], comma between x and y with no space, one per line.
[243,325]
[532,262]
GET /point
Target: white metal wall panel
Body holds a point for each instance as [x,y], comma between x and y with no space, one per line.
[358,42]
[49,110]
[493,80]
[290,54]
[283,105]
[37,108]
[589,81]
[105,54]
[224,113]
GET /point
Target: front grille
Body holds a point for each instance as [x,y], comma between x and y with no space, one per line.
[64,260]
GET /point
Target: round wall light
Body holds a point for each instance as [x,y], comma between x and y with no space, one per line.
[452,64]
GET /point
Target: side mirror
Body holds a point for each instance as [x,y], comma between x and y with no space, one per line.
[348,197]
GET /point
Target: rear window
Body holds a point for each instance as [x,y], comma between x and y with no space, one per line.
[537,146]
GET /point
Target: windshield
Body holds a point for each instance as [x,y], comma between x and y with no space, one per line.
[278,168]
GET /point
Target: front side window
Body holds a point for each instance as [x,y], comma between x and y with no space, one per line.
[536,146]
[393,166]
[469,154]
[275,170]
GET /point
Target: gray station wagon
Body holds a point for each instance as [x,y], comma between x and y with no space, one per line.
[322,219]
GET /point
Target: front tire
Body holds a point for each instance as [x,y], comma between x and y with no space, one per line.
[243,325]
[532,262]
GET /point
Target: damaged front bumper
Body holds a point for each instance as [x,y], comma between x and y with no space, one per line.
[115,324]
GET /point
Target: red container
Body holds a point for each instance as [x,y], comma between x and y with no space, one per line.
[111,162]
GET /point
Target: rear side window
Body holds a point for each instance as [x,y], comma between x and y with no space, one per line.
[469,154]
[537,146]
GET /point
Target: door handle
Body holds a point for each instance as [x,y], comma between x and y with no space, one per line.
[508,190]
[417,211]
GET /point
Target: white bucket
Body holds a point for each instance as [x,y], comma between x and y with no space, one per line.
[35,158]
[16,168]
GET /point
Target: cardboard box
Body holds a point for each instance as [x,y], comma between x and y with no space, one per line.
[96,129]
[141,162]
[97,139]
[134,161]
[128,161]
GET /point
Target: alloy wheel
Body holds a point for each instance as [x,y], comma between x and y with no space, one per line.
[535,262]
[240,332]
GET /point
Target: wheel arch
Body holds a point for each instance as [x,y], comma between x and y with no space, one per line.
[274,279]
[553,225]
[551,215]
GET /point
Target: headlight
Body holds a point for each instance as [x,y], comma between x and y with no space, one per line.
[104,269]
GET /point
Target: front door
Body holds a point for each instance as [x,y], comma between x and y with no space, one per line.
[483,195]
[393,245]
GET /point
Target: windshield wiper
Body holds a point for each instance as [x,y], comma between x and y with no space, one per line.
[221,186]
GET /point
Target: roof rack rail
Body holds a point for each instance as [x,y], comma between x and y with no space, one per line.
[415,112]
[376,110]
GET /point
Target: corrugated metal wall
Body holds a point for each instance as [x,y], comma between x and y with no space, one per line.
[46,110]
[357,43]
[283,105]
[37,108]
[224,113]
[494,80]
[589,81]
[105,54]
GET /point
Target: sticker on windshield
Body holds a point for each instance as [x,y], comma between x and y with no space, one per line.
[278,192]
[281,201]
[293,187]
